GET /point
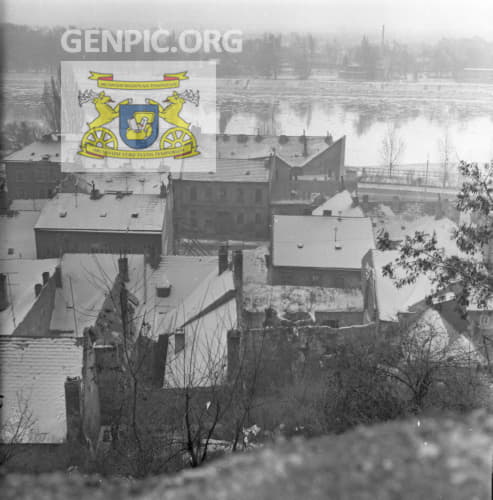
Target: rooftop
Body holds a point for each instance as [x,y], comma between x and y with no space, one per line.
[22,275]
[48,150]
[86,281]
[136,182]
[390,299]
[321,242]
[33,372]
[249,146]
[17,235]
[234,170]
[340,204]
[136,213]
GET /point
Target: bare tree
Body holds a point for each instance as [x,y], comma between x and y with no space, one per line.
[16,429]
[392,147]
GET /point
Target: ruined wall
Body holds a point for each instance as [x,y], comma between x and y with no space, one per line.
[284,354]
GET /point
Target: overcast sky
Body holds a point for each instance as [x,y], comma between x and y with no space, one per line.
[402,18]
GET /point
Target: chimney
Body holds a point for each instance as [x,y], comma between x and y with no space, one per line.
[160,353]
[37,289]
[305,145]
[58,276]
[46,277]
[123,268]
[73,408]
[238,266]
[4,297]
[223,258]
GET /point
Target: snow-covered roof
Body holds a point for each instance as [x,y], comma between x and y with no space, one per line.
[431,334]
[33,372]
[136,213]
[340,204]
[293,299]
[22,275]
[390,299]
[48,150]
[17,236]
[321,242]
[89,278]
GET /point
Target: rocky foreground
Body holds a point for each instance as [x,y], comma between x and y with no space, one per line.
[441,458]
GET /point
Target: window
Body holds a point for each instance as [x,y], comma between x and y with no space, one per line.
[19,176]
[240,219]
[193,218]
[239,195]
[258,219]
[315,279]
[179,342]
[258,195]
[193,193]
[208,193]
[222,193]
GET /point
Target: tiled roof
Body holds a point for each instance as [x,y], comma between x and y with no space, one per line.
[22,275]
[37,151]
[224,171]
[79,213]
[321,242]
[33,373]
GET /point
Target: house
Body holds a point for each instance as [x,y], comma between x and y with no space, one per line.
[195,307]
[319,251]
[35,170]
[111,223]
[40,386]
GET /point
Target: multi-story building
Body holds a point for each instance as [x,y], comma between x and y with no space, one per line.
[34,171]
[254,177]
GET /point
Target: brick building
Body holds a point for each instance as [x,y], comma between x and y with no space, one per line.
[108,223]
[319,251]
[254,177]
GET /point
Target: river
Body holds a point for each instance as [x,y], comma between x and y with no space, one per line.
[426,114]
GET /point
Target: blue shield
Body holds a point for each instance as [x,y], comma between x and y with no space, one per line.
[139,124]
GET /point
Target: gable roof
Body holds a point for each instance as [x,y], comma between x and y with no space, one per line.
[321,242]
[390,299]
[33,372]
[22,275]
[88,278]
[340,204]
[107,214]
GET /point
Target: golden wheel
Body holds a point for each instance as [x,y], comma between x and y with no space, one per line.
[177,137]
[100,137]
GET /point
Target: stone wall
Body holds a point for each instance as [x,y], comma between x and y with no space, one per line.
[284,354]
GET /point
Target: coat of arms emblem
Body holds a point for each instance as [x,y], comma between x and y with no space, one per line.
[149,128]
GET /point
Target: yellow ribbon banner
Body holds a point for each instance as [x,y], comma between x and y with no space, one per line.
[185,151]
[170,81]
